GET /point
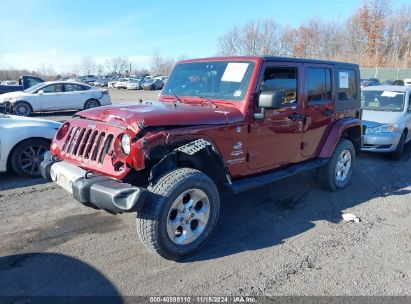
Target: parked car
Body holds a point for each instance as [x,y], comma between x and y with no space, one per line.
[218,125]
[88,79]
[162,78]
[152,84]
[9,82]
[112,82]
[55,95]
[407,82]
[393,82]
[121,83]
[386,119]
[370,82]
[23,143]
[134,84]
[101,83]
[25,82]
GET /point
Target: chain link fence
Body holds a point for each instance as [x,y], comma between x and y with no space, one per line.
[383,74]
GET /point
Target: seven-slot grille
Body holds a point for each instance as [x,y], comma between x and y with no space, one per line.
[87,144]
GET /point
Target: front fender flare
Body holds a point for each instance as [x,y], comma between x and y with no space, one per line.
[210,162]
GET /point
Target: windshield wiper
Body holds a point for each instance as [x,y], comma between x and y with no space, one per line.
[209,101]
[178,98]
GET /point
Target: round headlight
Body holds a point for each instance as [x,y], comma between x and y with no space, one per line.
[125,144]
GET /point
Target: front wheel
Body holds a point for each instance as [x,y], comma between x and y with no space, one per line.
[22,108]
[399,151]
[336,174]
[27,156]
[180,213]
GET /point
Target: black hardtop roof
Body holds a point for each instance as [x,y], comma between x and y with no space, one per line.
[305,60]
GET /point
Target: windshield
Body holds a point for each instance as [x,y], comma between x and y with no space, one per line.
[34,88]
[212,79]
[390,101]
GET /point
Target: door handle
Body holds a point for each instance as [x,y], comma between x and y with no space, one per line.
[296,116]
[328,112]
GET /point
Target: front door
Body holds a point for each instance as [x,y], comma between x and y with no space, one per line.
[51,98]
[319,109]
[276,139]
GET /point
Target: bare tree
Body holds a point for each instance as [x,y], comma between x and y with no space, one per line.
[88,65]
[117,65]
[254,38]
[373,36]
[161,65]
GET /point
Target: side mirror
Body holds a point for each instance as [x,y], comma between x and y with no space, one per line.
[40,92]
[270,100]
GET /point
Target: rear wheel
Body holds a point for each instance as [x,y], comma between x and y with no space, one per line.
[336,174]
[397,154]
[91,103]
[180,213]
[23,108]
[27,156]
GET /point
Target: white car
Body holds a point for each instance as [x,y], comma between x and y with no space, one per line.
[23,142]
[55,96]
[386,115]
[121,83]
[134,84]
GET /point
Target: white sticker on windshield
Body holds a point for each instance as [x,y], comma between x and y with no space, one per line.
[235,72]
[237,93]
[344,80]
[391,94]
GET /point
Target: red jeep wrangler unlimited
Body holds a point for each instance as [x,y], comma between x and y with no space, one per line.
[234,123]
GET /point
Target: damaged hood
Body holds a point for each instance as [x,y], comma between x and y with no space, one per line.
[155,113]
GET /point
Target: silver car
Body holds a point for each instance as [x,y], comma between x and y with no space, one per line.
[386,118]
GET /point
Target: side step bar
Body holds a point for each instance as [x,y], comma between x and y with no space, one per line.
[248,183]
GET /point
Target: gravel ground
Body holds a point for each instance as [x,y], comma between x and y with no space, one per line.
[285,239]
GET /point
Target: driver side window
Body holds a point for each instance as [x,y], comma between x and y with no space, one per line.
[281,79]
[53,88]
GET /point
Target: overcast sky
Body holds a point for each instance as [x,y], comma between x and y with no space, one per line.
[57,33]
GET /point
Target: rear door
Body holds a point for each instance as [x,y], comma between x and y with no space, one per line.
[276,139]
[75,96]
[319,107]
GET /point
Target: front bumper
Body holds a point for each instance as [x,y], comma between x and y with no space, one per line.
[93,190]
[382,142]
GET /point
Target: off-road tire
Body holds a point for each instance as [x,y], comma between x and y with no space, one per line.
[152,218]
[399,151]
[24,104]
[91,103]
[327,174]
[17,154]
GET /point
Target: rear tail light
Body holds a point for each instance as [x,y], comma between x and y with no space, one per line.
[105,92]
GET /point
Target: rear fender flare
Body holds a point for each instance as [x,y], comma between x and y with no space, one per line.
[351,128]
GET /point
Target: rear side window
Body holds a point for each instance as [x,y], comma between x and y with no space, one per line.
[318,84]
[282,79]
[347,84]
[71,87]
